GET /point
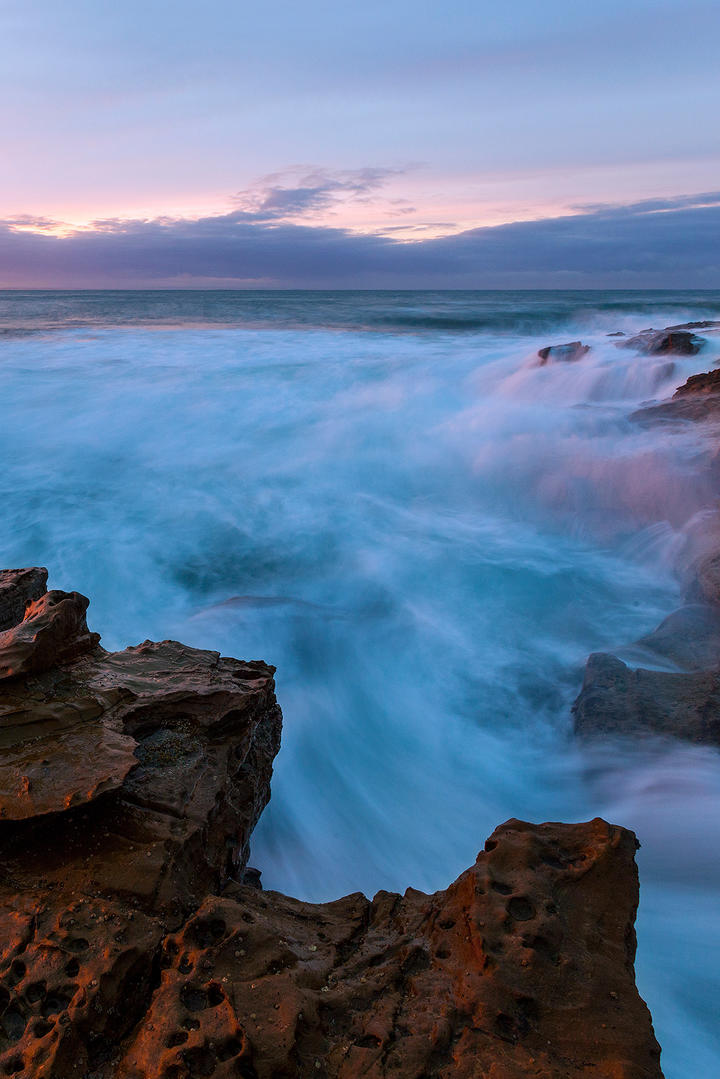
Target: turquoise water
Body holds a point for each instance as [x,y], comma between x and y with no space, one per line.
[381,494]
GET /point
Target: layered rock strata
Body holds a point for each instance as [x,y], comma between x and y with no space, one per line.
[132,948]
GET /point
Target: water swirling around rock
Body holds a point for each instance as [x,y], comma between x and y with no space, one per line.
[424,531]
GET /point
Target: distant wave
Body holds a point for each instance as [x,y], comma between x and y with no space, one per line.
[426,312]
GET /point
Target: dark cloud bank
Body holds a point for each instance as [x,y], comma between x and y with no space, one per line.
[660,243]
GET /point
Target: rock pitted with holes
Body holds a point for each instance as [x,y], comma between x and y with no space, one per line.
[130,948]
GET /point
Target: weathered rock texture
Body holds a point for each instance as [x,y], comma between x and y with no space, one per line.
[522,967]
[131,949]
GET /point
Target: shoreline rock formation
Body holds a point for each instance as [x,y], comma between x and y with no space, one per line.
[683,702]
[132,948]
[674,340]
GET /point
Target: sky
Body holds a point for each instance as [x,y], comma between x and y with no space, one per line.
[406,143]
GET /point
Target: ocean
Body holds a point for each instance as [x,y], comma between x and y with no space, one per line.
[382,494]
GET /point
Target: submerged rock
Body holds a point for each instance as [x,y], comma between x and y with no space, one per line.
[135,942]
[568,353]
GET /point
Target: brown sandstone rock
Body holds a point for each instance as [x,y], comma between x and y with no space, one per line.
[53,631]
[696,400]
[18,588]
[76,974]
[204,730]
[64,770]
[154,763]
[707,382]
[522,967]
[128,950]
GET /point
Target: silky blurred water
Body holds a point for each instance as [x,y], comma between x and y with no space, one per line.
[383,495]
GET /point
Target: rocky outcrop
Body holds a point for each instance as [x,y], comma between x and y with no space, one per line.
[616,699]
[696,400]
[567,353]
[156,759]
[18,588]
[703,324]
[706,383]
[684,702]
[132,948]
[522,967]
[670,341]
[688,639]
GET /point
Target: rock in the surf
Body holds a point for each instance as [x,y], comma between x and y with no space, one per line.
[697,399]
[618,699]
[567,353]
[670,341]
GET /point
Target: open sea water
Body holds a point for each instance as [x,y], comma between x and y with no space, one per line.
[382,494]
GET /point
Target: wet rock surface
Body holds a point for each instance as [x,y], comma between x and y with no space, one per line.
[707,382]
[696,400]
[683,702]
[687,640]
[617,699]
[567,353]
[705,583]
[673,340]
[135,943]
[703,324]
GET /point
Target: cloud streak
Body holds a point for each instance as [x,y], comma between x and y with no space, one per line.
[672,243]
[306,191]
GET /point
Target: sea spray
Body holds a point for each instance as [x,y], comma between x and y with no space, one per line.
[385,496]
